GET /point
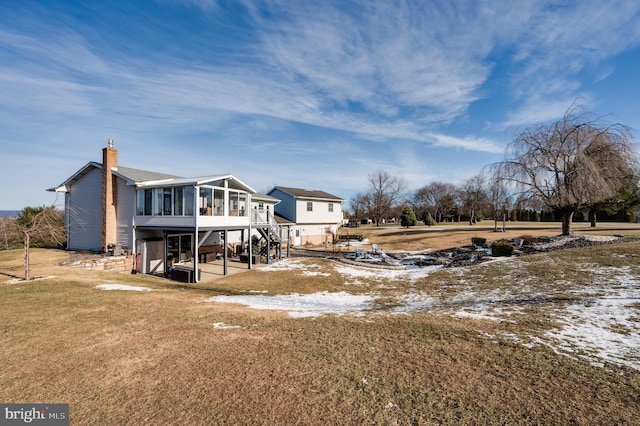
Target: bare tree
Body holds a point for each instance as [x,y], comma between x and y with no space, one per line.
[474,199]
[385,191]
[563,164]
[359,204]
[42,226]
[438,198]
[9,233]
[500,199]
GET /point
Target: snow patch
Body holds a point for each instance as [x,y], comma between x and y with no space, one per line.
[123,287]
[286,264]
[223,326]
[304,305]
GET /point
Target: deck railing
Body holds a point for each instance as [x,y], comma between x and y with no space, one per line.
[264,219]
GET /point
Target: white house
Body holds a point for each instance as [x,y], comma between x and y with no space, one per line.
[315,215]
[156,216]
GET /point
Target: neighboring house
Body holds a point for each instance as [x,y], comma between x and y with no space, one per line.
[156,216]
[315,215]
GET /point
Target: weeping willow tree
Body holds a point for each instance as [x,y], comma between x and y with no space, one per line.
[619,171]
[573,163]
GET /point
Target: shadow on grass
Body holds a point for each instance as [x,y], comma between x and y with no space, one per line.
[10,275]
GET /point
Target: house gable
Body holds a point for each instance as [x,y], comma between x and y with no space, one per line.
[83,193]
[303,206]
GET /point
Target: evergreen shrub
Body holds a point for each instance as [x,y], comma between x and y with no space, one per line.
[501,248]
[478,241]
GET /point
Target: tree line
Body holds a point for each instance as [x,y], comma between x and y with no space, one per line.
[578,168]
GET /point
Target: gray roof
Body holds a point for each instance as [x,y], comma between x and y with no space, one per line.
[137,175]
[281,220]
[307,193]
[264,197]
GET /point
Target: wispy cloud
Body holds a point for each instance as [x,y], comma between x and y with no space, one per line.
[372,73]
[379,70]
[557,44]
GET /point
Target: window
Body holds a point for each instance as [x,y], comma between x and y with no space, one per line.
[188,200]
[167,202]
[309,206]
[140,202]
[233,203]
[242,204]
[218,202]
[148,202]
[157,205]
[331,207]
[206,201]
[178,193]
[179,247]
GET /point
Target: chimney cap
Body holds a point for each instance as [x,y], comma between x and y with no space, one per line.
[110,143]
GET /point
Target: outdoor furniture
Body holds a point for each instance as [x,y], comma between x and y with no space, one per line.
[182,274]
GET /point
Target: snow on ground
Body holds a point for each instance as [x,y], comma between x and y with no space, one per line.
[606,329]
[286,264]
[304,305]
[121,287]
[380,274]
[600,324]
[223,326]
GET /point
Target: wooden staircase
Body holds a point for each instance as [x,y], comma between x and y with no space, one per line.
[273,235]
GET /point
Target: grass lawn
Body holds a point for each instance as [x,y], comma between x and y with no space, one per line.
[488,344]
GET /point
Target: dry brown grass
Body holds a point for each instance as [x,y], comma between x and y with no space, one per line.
[154,358]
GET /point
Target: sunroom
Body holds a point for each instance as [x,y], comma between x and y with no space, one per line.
[179,221]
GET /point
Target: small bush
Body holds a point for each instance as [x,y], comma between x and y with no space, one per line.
[529,239]
[478,241]
[500,248]
[428,220]
[408,217]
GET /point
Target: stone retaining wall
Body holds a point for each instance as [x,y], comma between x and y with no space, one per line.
[102,263]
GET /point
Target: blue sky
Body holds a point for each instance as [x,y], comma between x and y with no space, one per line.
[310,94]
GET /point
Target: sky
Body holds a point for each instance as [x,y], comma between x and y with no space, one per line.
[309,94]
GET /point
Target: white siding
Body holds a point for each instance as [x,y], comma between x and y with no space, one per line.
[320,212]
[85,212]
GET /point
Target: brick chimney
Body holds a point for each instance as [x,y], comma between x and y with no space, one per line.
[109,161]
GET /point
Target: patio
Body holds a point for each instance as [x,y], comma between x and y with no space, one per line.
[213,270]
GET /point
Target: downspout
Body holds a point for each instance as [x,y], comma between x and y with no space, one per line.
[67,204]
[249,251]
[268,237]
[196,212]
[134,250]
[165,253]
[249,259]
[226,252]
